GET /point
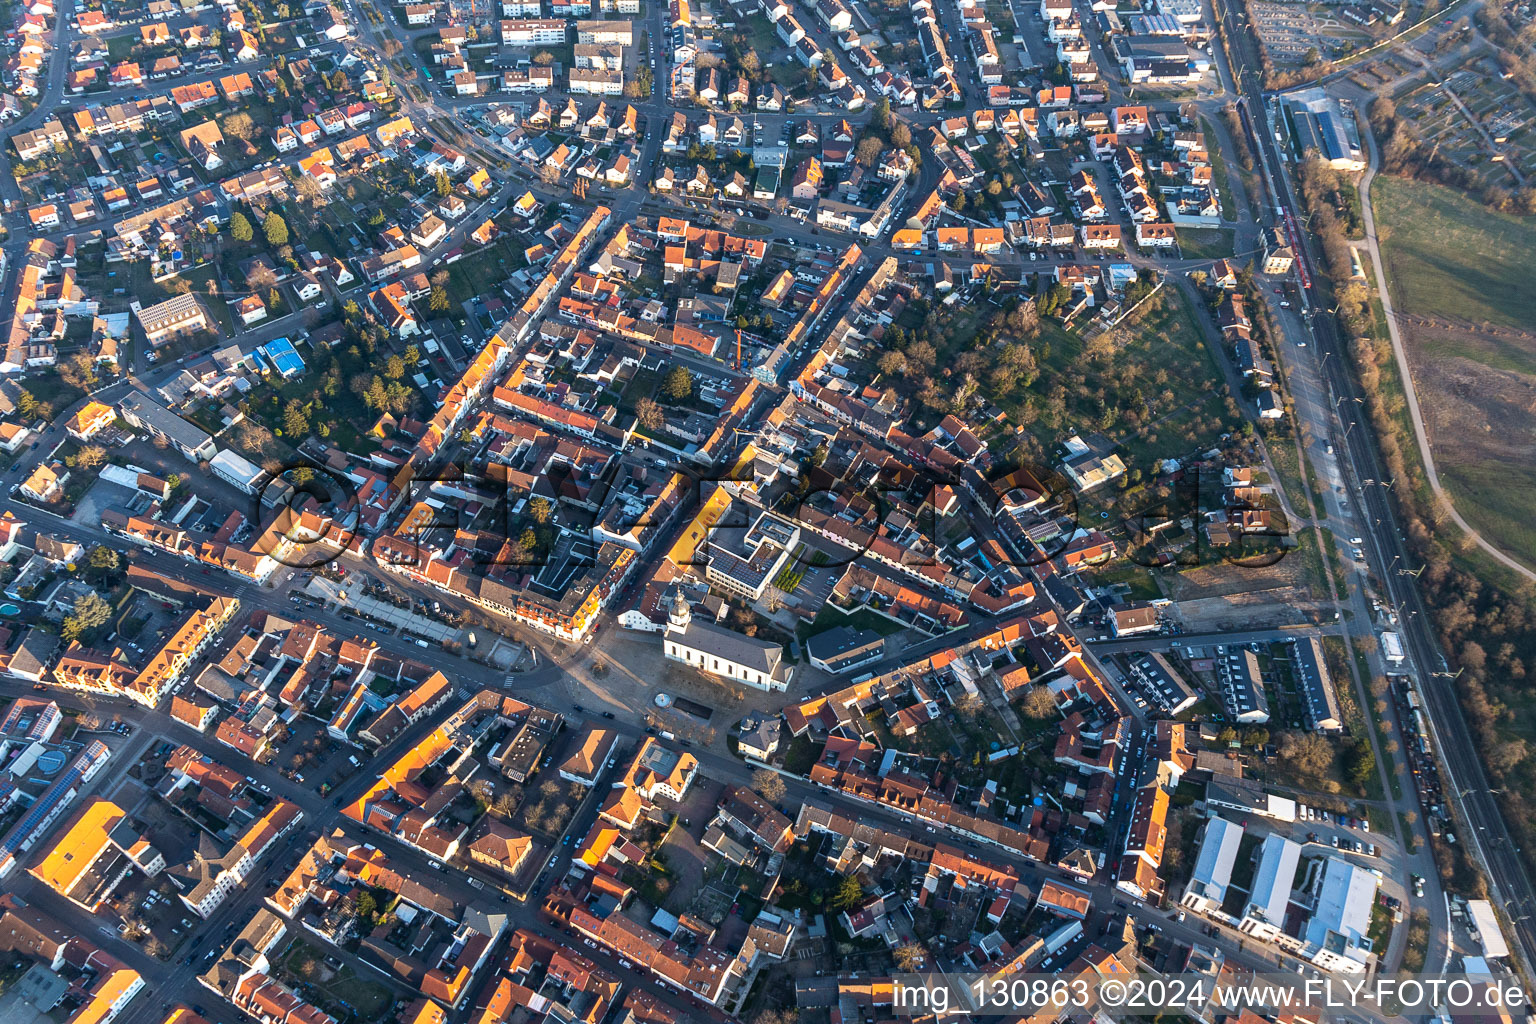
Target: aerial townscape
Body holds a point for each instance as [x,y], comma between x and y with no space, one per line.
[685,511]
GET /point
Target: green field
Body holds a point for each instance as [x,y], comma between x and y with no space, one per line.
[1496,500]
[1219,171]
[1448,254]
[485,270]
[1205,243]
[1157,394]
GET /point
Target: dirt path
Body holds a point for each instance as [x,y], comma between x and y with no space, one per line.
[1405,371]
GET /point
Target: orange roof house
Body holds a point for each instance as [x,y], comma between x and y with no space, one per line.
[590,757]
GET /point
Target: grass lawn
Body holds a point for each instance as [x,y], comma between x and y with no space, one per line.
[484,270]
[1496,500]
[1380,932]
[1219,171]
[1205,243]
[761,37]
[800,755]
[50,389]
[1138,578]
[139,284]
[1448,254]
[1349,708]
[930,740]
[1157,395]
[831,616]
[349,996]
[1282,453]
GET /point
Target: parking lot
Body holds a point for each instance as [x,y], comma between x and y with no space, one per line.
[346,595]
[1291,31]
[311,756]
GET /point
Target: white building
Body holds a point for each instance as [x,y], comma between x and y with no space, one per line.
[1264,916]
[533,32]
[1336,935]
[743,561]
[1392,648]
[1247,798]
[237,471]
[1207,887]
[1489,935]
[722,652]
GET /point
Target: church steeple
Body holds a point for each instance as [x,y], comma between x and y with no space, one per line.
[681,614]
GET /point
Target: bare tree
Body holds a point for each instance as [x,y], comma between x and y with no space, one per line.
[649,414]
[767,782]
[969,705]
[1038,703]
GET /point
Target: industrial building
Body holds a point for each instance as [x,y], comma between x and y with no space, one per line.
[1319,127]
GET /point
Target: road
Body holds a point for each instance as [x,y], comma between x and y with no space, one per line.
[1368,483]
[320,813]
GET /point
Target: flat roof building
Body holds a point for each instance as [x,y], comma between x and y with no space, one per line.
[145,413]
[1219,840]
[1270,892]
[747,548]
[1336,935]
[237,471]
[841,649]
[1246,797]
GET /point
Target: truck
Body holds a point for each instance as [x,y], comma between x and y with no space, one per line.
[430,344]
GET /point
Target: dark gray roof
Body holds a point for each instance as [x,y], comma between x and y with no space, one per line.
[1234,792]
[34,654]
[841,641]
[717,641]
